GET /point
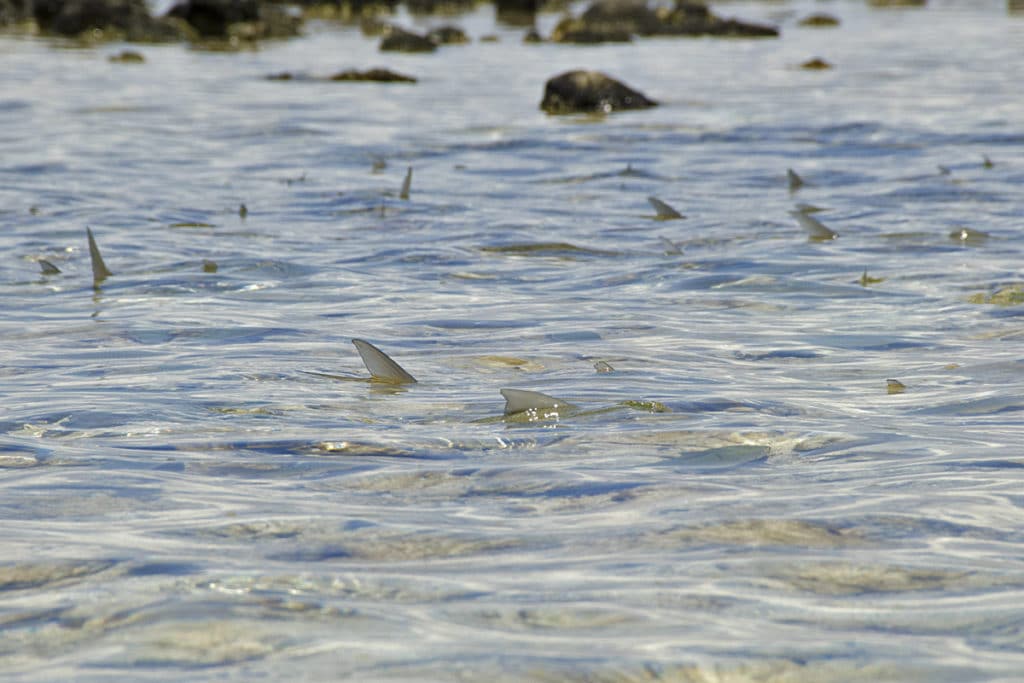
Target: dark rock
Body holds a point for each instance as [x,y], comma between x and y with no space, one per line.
[633,16]
[127,57]
[374,75]
[616,20]
[236,19]
[447,35]
[577,30]
[516,12]
[106,19]
[532,36]
[211,18]
[590,91]
[429,7]
[14,12]
[816,64]
[819,20]
[399,40]
[372,26]
[695,19]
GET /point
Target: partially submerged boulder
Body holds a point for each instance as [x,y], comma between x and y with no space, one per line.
[816,64]
[581,32]
[590,91]
[819,20]
[632,16]
[101,19]
[127,57]
[376,75]
[399,40]
[447,35]
[689,18]
[373,75]
[236,19]
[516,12]
[616,20]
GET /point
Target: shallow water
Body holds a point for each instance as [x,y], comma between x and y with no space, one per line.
[181,499]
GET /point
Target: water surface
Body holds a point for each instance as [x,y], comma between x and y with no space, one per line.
[181,499]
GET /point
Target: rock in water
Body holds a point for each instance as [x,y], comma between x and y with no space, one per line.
[399,40]
[590,91]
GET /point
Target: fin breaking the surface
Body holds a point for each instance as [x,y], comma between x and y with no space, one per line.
[795,181]
[521,401]
[99,268]
[406,185]
[815,228]
[382,368]
[664,212]
[47,268]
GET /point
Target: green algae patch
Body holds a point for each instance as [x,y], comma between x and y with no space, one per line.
[767,532]
[1011,295]
[41,574]
[842,578]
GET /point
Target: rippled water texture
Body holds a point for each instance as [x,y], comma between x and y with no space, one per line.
[743,497]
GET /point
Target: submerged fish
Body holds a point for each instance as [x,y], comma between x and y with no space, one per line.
[815,228]
[663,212]
[99,268]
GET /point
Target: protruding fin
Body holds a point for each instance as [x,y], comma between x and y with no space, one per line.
[664,212]
[406,185]
[795,181]
[520,401]
[99,268]
[48,268]
[382,368]
[815,228]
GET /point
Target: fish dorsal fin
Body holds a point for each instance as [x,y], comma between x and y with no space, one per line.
[815,228]
[99,268]
[795,181]
[406,185]
[382,368]
[663,212]
[521,401]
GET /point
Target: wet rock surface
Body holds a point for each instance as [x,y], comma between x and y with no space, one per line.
[100,19]
[375,75]
[240,19]
[816,64]
[617,20]
[819,20]
[399,40]
[447,35]
[372,75]
[131,20]
[590,92]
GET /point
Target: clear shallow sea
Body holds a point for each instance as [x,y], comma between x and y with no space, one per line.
[180,500]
